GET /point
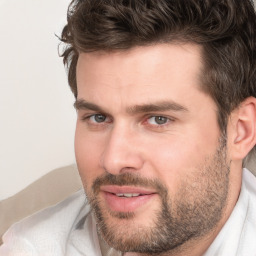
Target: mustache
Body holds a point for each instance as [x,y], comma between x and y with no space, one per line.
[128,179]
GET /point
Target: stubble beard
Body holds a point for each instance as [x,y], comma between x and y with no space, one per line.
[192,213]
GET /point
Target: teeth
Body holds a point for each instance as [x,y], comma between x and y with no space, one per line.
[128,195]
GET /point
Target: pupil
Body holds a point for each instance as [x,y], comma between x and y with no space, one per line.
[100,118]
[161,120]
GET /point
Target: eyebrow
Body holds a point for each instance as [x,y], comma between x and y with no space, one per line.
[144,108]
[82,104]
[158,106]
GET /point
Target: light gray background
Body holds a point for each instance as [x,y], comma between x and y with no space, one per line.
[37,119]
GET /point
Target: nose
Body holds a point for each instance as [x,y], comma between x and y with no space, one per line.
[121,153]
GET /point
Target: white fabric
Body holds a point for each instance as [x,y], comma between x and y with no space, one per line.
[64,229]
[238,236]
[69,229]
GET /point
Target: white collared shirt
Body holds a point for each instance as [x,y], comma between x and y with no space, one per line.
[69,229]
[238,235]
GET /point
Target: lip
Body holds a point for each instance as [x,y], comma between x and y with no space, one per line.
[114,189]
[126,204]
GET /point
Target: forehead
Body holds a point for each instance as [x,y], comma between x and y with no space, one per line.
[141,73]
[144,58]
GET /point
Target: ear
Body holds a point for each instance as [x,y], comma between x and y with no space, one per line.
[242,128]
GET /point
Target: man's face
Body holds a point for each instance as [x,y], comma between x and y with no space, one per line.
[148,147]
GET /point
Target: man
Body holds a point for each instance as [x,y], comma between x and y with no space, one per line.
[165,97]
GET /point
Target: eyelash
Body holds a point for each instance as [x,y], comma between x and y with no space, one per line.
[146,122]
[87,119]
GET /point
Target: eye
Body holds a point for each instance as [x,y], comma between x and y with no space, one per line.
[158,120]
[97,118]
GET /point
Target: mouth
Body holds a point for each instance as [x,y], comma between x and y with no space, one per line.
[128,195]
[126,198]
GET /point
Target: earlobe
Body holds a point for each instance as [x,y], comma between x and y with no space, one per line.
[244,128]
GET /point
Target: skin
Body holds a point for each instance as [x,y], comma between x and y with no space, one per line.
[176,153]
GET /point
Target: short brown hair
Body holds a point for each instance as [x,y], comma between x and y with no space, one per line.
[226,29]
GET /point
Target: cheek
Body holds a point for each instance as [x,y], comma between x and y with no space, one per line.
[88,154]
[171,155]
[179,156]
[170,161]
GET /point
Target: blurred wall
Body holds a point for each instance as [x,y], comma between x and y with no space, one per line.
[37,119]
